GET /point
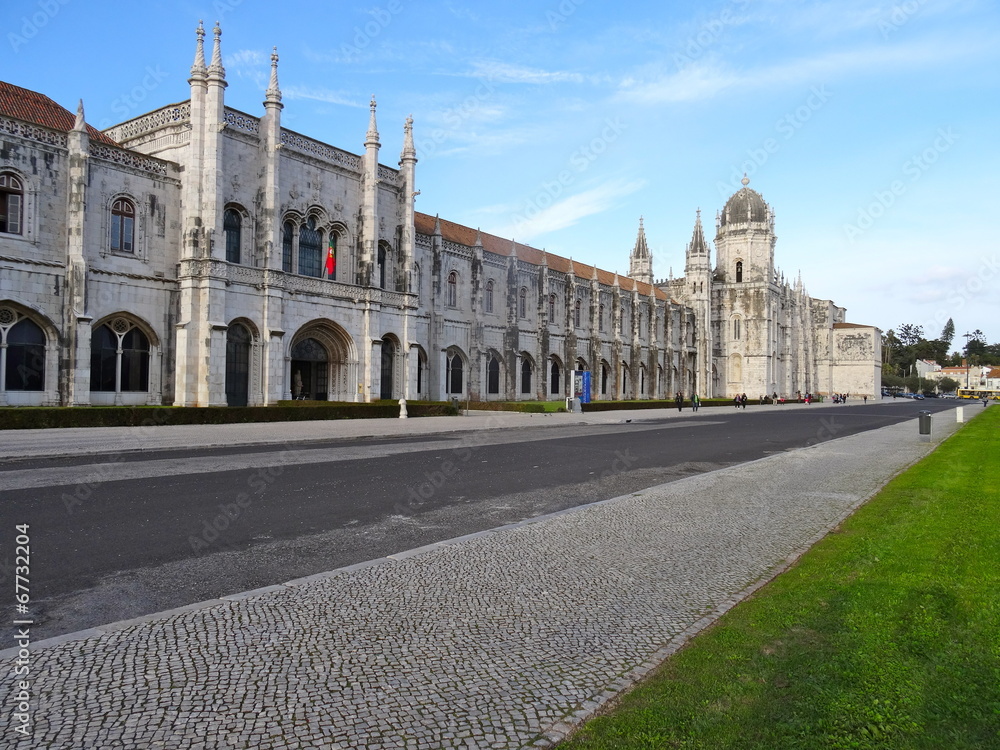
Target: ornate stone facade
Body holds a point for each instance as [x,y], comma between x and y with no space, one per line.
[198,255]
[760,334]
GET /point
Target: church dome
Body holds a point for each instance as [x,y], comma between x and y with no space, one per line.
[744,205]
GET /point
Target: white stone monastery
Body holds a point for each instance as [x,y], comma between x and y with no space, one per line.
[198,255]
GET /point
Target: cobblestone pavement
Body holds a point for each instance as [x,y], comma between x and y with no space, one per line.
[504,639]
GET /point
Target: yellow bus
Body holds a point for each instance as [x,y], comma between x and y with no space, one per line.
[979,394]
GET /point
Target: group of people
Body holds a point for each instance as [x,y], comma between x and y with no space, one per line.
[739,400]
[679,400]
[840,398]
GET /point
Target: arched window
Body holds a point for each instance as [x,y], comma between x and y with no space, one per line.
[621,321]
[239,344]
[604,379]
[736,329]
[525,375]
[119,358]
[330,266]
[600,318]
[576,314]
[382,256]
[451,300]
[232,228]
[122,226]
[739,270]
[492,374]
[287,238]
[421,370]
[552,308]
[22,353]
[453,372]
[488,297]
[624,379]
[522,303]
[11,201]
[310,249]
[554,378]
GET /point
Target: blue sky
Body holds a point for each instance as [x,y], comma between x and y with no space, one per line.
[870,127]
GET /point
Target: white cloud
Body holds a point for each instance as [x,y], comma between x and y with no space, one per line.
[706,79]
[531,220]
[319,94]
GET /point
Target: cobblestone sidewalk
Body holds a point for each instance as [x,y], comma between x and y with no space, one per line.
[504,639]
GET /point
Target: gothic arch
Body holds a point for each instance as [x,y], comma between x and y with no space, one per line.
[244,363]
[456,371]
[495,375]
[12,314]
[141,384]
[325,353]
[556,375]
[391,372]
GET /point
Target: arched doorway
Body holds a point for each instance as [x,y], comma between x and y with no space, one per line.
[238,345]
[388,368]
[310,370]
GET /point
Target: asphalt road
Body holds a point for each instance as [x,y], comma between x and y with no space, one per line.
[114,537]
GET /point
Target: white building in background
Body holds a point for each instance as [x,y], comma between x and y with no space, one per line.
[198,255]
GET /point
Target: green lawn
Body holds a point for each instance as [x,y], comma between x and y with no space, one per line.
[885,635]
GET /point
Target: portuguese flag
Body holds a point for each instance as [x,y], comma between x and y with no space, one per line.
[331,260]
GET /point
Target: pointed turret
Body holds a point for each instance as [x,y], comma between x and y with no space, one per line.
[198,69]
[641,261]
[479,239]
[371,137]
[513,246]
[437,225]
[273,93]
[698,245]
[79,125]
[409,151]
[215,69]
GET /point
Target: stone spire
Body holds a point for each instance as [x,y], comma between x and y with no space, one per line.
[198,69]
[640,250]
[513,246]
[545,258]
[273,93]
[215,70]
[593,274]
[698,244]
[437,225]
[409,152]
[641,261]
[479,239]
[80,124]
[572,269]
[371,137]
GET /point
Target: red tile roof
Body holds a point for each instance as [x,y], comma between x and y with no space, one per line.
[30,106]
[463,235]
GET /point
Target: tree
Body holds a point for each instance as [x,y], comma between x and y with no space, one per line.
[948,332]
[909,334]
[976,344]
[947,385]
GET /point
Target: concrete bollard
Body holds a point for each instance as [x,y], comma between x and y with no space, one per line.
[402,408]
[960,414]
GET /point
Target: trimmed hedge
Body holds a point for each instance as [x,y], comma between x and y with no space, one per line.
[37,417]
[526,407]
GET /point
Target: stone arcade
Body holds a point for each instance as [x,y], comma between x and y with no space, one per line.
[198,255]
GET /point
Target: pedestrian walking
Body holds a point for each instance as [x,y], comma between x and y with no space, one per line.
[743,401]
[679,399]
[695,402]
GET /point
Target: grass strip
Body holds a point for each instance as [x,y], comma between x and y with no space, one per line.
[885,635]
